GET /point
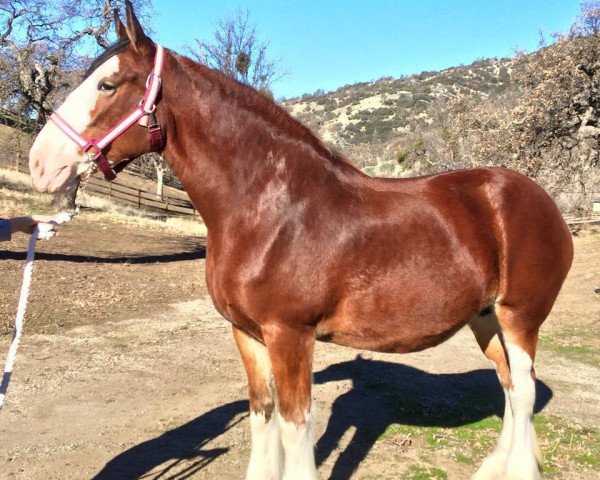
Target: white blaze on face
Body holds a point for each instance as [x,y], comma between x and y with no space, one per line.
[54,159]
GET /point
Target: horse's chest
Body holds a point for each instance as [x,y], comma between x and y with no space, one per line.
[228,302]
[250,290]
[236,298]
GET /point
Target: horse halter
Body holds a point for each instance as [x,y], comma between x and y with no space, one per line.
[146,108]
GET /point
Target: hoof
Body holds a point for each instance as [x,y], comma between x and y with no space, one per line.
[492,467]
[521,476]
[521,472]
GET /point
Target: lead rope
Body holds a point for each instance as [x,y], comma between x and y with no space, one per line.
[45,232]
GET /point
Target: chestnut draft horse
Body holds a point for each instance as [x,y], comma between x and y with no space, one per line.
[302,246]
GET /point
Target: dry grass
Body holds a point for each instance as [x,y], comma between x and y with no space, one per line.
[15,144]
[18,198]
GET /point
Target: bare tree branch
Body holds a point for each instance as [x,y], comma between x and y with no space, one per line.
[39,35]
[237,52]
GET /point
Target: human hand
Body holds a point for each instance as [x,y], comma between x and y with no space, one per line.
[28,223]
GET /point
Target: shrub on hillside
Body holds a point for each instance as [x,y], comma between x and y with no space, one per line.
[550,128]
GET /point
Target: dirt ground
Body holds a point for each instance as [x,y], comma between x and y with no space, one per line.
[127,371]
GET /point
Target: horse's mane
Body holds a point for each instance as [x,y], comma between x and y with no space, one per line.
[262,106]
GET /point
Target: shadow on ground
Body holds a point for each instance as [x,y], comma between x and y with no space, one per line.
[382,394]
[386,393]
[198,253]
[184,443]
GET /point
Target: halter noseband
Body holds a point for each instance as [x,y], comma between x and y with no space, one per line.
[146,107]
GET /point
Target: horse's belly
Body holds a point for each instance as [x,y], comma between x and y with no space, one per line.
[398,325]
[387,340]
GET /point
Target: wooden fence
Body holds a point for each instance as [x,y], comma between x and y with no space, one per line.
[576,222]
[132,196]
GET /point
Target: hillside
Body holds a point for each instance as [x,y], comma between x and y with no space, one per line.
[377,111]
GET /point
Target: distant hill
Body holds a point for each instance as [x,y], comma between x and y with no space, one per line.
[358,116]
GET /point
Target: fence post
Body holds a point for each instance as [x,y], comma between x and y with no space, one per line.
[139,198]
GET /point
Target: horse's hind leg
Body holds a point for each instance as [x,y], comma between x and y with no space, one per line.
[291,352]
[266,457]
[489,337]
[520,329]
[511,349]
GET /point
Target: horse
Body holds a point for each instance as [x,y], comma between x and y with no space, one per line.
[302,246]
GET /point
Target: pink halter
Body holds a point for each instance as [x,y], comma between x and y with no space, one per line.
[146,107]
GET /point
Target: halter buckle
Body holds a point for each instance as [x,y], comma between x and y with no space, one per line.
[147,112]
[149,79]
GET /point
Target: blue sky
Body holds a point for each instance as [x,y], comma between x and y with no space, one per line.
[328,44]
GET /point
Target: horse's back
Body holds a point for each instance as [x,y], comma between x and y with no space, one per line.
[532,243]
[522,218]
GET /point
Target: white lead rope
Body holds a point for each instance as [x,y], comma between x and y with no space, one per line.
[42,231]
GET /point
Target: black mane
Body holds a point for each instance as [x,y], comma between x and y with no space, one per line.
[111,51]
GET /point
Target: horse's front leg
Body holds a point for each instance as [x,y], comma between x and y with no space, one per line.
[266,457]
[291,352]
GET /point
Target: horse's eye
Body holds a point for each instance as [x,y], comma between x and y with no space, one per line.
[106,87]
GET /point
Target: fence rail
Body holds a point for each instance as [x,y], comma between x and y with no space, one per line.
[140,198]
[591,219]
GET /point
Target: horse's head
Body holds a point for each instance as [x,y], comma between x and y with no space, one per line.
[111,90]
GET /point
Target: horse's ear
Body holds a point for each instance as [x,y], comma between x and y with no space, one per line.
[119,27]
[134,29]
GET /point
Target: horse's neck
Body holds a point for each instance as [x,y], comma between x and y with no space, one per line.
[230,151]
